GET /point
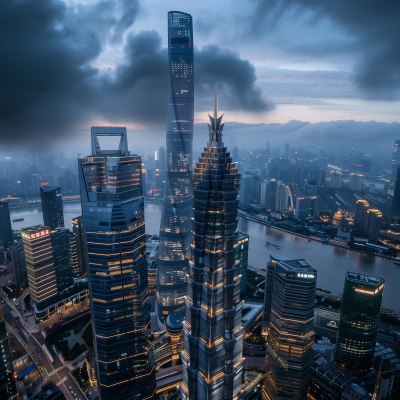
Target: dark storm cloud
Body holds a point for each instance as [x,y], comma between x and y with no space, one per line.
[48,85]
[236,80]
[372,27]
[47,47]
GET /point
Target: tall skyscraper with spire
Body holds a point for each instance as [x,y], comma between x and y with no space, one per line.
[177,198]
[212,363]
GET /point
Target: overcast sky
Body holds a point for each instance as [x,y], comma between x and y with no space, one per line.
[67,65]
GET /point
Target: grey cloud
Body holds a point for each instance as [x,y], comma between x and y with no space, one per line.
[371,28]
[236,80]
[49,88]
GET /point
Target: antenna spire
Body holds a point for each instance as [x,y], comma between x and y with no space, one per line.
[216,102]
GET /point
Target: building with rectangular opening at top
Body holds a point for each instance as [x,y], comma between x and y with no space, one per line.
[113,215]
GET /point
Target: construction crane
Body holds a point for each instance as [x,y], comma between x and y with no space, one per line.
[378,378]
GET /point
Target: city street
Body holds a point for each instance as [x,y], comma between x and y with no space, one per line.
[57,372]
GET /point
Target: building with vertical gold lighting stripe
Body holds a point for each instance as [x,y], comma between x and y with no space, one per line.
[212,363]
[290,340]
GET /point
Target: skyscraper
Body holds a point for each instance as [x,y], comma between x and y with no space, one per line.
[113,215]
[40,265]
[269,286]
[393,193]
[373,225]
[212,363]
[359,320]
[52,207]
[6,235]
[290,337]
[243,258]
[177,197]
[62,265]
[19,264]
[360,218]
[73,255]
[77,229]
[245,191]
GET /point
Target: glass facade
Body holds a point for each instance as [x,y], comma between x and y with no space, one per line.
[290,339]
[6,235]
[19,264]
[73,255]
[393,194]
[212,363]
[177,197]
[269,286]
[62,266]
[40,264]
[359,320]
[53,215]
[77,229]
[113,215]
[243,257]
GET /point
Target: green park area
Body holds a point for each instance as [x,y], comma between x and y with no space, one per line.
[72,338]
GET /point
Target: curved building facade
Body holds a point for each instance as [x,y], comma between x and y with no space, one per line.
[177,199]
[212,363]
[359,321]
[113,215]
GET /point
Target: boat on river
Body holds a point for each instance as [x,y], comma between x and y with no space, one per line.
[272,245]
[18,219]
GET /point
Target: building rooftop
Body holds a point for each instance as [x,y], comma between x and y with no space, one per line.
[300,265]
[362,278]
[49,188]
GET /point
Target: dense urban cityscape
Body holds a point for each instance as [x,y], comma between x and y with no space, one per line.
[239,271]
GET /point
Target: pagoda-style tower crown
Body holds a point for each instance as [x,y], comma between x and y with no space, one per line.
[215,127]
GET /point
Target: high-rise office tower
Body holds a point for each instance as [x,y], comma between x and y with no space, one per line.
[243,258]
[6,235]
[282,197]
[393,190]
[62,265]
[52,206]
[335,180]
[212,363]
[287,150]
[77,229]
[73,255]
[314,207]
[355,181]
[271,195]
[302,209]
[113,215]
[290,337]
[264,193]
[19,264]
[245,191]
[360,218]
[235,155]
[269,286]
[359,321]
[40,265]
[177,197]
[373,225]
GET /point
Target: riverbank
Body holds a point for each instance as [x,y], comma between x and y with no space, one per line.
[316,239]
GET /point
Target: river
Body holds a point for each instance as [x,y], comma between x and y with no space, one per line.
[331,262]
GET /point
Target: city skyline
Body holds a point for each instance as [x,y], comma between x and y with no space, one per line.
[162,254]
